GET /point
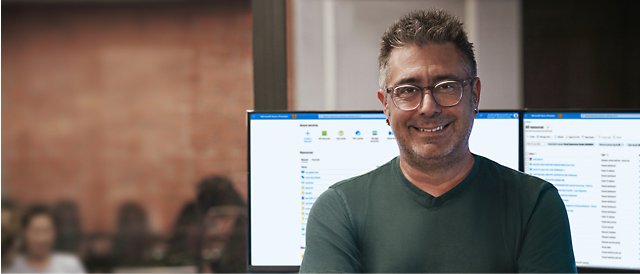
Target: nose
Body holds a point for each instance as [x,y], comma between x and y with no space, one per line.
[429,107]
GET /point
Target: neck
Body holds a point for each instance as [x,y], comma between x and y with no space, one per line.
[37,262]
[437,178]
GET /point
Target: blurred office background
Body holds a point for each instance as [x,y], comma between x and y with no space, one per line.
[127,117]
[535,54]
[117,111]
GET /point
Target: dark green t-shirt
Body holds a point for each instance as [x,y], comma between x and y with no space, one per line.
[496,220]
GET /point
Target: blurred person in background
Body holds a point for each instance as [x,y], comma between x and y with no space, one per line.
[216,191]
[132,241]
[223,240]
[184,243]
[69,229]
[209,231]
[223,225]
[38,239]
[98,254]
[9,230]
[9,250]
[9,216]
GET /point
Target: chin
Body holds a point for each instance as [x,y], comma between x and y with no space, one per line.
[454,147]
[430,152]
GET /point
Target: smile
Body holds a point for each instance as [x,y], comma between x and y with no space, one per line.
[435,129]
[431,129]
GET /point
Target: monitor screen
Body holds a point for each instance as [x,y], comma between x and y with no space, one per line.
[593,158]
[294,157]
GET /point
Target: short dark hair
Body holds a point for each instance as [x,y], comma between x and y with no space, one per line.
[215,191]
[35,211]
[421,27]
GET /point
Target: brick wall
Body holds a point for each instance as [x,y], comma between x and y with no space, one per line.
[106,103]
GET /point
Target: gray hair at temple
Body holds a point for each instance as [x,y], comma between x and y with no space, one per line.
[422,27]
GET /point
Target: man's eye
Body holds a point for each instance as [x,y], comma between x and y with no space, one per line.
[447,86]
[407,90]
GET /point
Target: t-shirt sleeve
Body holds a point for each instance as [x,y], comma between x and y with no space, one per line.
[70,264]
[76,266]
[330,240]
[547,246]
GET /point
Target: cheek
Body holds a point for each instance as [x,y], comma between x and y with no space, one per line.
[465,121]
[41,237]
[30,238]
[49,236]
[399,119]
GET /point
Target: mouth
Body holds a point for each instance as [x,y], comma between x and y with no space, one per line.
[431,129]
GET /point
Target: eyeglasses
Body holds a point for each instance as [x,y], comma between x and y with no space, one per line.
[446,93]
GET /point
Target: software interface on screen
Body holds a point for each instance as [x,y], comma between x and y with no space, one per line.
[594,161]
[294,157]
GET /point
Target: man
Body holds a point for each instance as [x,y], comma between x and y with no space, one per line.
[437,207]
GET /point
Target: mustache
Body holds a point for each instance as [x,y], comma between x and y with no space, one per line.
[429,122]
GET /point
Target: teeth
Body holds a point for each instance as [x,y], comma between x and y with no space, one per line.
[431,129]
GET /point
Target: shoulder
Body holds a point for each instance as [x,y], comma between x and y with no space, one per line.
[66,262]
[523,197]
[358,183]
[18,266]
[518,185]
[64,257]
[517,179]
[350,197]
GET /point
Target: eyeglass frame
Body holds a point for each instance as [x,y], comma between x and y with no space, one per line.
[464,83]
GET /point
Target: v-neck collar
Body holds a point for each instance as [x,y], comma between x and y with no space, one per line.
[427,200]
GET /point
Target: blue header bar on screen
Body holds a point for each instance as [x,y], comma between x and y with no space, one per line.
[359,116]
[497,115]
[316,116]
[581,115]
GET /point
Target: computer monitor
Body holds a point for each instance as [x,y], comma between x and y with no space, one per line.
[295,156]
[593,159]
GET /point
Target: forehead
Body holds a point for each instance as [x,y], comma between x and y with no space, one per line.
[425,64]
[40,220]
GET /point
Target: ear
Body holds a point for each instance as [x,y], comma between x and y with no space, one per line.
[382,97]
[476,93]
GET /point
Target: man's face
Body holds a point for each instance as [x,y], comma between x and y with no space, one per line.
[40,236]
[414,129]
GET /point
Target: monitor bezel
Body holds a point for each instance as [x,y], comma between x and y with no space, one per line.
[296,268]
[521,112]
[272,268]
[581,269]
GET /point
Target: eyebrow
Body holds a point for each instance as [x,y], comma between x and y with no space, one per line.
[415,80]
